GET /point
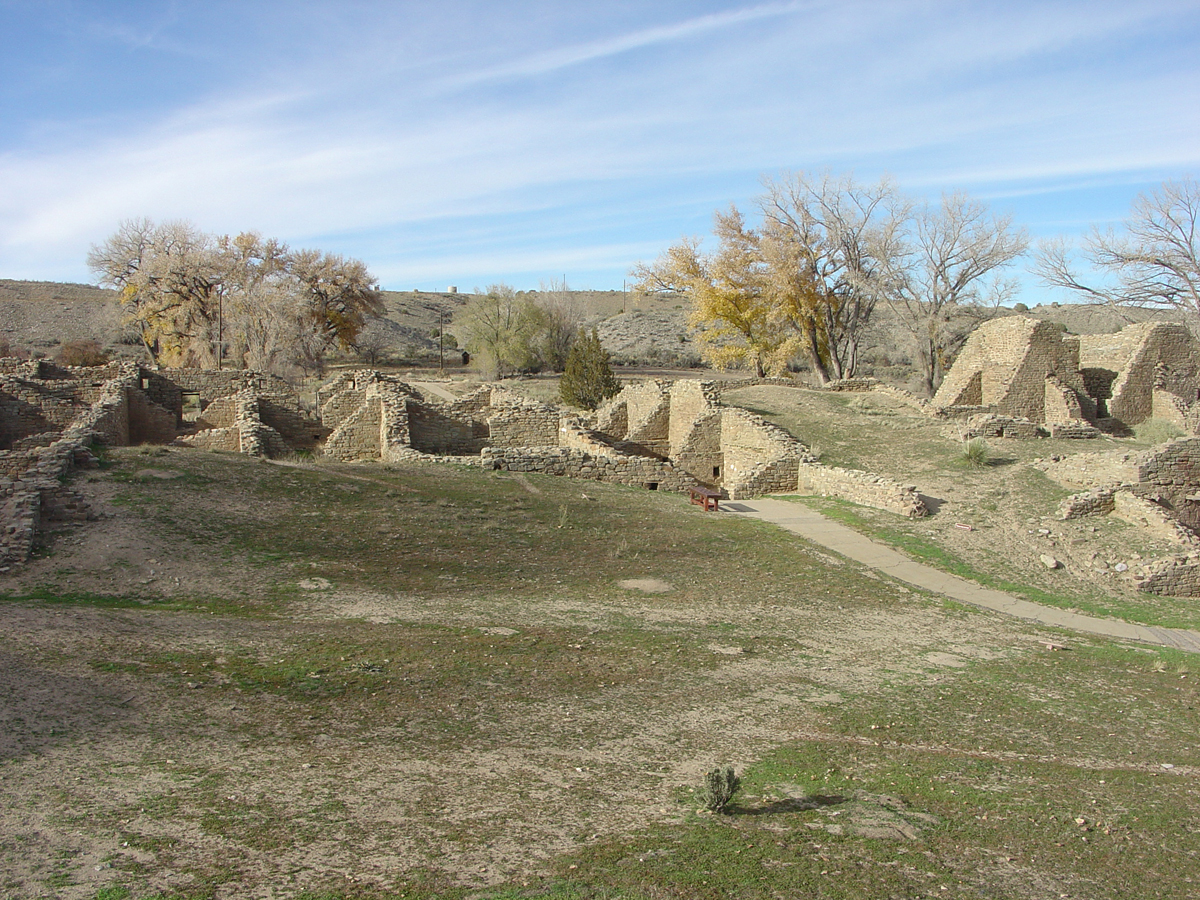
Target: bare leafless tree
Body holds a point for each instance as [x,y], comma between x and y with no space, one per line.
[561,320]
[1153,262]
[939,287]
[842,234]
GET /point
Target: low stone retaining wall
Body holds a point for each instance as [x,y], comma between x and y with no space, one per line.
[1099,502]
[631,470]
[862,488]
[1175,576]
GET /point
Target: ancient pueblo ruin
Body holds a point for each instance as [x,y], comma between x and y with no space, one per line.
[1015,378]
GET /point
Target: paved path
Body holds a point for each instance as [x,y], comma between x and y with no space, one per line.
[810,524]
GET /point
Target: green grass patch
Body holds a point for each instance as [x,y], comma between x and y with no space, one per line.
[1151,611]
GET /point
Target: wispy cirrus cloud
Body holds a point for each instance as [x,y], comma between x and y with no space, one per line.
[490,146]
[578,54]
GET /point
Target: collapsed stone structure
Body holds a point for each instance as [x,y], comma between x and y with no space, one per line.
[1017,372]
[1155,490]
[660,435]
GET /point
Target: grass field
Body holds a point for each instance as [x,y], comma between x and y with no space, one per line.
[326,681]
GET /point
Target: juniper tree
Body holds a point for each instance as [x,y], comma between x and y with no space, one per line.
[588,379]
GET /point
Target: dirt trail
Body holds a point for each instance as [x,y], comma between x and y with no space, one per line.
[812,525]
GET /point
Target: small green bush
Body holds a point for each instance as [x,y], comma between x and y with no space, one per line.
[975,453]
[588,379]
[718,788]
[1157,431]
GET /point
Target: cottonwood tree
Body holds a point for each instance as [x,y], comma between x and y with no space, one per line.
[805,283]
[559,326]
[501,329]
[1153,262]
[735,303]
[939,288]
[192,295]
[833,239]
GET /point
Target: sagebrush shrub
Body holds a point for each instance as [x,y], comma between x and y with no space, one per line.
[718,788]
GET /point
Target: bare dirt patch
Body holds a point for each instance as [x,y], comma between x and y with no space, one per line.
[646,585]
[475,703]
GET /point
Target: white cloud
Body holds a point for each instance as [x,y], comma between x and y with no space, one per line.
[943,95]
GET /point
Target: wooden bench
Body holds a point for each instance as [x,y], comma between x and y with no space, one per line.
[709,500]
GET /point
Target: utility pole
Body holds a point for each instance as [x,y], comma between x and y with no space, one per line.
[441,341]
[220,328]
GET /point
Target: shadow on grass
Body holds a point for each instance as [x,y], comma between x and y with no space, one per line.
[790,804]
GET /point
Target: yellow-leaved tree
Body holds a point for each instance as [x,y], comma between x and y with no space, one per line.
[752,301]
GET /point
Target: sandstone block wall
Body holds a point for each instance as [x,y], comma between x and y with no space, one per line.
[1005,367]
[531,425]
[1152,518]
[1176,576]
[1099,502]
[1170,474]
[357,436]
[1139,358]
[862,488]
[750,443]
[635,471]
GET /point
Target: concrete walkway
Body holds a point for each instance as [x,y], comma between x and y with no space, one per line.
[808,523]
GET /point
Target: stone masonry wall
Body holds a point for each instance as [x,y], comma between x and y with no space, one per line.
[636,471]
[862,488]
[1004,365]
[357,436]
[749,442]
[526,425]
[1170,474]
[1144,356]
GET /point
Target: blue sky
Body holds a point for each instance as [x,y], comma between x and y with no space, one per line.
[472,142]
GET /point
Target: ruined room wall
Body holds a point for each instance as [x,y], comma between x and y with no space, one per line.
[993,352]
[1170,408]
[648,416]
[162,391]
[1047,353]
[148,423]
[19,418]
[862,488]
[434,429]
[573,435]
[1062,404]
[228,438]
[695,431]
[1176,576]
[612,417]
[1162,354]
[701,453]
[690,402]
[213,383]
[749,441]
[219,413]
[395,437]
[357,436]
[526,425]
[283,414]
[1170,473]
[636,471]
[1004,364]
[29,407]
[340,405]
